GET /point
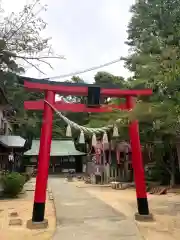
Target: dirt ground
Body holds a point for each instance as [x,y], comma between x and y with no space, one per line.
[23,207]
[165,209]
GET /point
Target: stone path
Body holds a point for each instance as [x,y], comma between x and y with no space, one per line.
[82,216]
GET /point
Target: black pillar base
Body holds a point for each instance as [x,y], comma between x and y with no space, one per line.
[38,212]
[143,208]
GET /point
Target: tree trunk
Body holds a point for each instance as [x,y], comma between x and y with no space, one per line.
[172,180]
[173,170]
[178,153]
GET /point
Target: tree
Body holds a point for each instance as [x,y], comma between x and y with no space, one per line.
[154,32]
[107,79]
[21,39]
[22,46]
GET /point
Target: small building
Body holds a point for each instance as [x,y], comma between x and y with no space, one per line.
[63,156]
[6,112]
[111,161]
[11,151]
[11,147]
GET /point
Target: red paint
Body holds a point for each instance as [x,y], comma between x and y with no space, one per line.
[44,150]
[71,107]
[83,90]
[137,161]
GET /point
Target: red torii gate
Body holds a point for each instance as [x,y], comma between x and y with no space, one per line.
[51,88]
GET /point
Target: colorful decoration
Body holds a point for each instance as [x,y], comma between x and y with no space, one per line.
[82,138]
[68,131]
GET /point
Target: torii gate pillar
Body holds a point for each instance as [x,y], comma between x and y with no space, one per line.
[137,163]
[43,160]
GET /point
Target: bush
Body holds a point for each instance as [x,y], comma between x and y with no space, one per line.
[12,184]
[27,176]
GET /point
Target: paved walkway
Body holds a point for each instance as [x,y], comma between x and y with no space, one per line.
[82,216]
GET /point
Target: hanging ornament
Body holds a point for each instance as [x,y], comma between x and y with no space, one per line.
[109,156]
[68,131]
[94,140]
[105,138]
[115,131]
[118,156]
[82,138]
[98,152]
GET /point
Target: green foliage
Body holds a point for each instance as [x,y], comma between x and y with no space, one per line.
[12,184]
[27,176]
[158,173]
[21,38]
[107,79]
[153,32]
[22,46]
[153,35]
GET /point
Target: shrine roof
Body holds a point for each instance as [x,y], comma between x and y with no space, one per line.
[12,141]
[58,148]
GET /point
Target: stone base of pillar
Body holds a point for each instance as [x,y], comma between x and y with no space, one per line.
[144,218]
[37,225]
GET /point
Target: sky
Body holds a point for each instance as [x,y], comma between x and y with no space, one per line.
[87,32]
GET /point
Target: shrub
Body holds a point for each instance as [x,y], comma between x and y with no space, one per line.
[27,176]
[12,184]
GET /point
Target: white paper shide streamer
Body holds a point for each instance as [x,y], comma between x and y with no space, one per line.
[94,140]
[68,131]
[105,138]
[115,131]
[81,138]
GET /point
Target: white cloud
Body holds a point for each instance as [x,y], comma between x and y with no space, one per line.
[88,33]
